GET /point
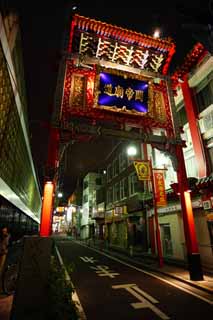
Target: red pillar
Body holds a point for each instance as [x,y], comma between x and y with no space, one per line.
[49,186]
[152,234]
[46,211]
[194,128]
[194,263]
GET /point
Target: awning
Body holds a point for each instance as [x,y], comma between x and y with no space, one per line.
[205,182]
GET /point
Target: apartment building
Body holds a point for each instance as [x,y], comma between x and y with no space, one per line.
[200,83]
[124,223]
[91,182]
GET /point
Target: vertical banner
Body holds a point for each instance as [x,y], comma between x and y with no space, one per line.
[143,170]
[160,192]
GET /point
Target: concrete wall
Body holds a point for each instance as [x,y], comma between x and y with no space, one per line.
[203,238]
[177,235]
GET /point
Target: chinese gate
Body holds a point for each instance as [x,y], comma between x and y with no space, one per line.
[110,75]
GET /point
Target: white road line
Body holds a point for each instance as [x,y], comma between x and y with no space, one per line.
[75,297]
[144,303]
[149,273]
[136,288]
[103,271]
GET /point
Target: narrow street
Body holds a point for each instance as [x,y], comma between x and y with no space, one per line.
[109,288]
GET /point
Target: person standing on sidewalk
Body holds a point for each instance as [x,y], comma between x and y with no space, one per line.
[4,242]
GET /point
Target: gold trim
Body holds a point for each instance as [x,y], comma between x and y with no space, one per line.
[121,73]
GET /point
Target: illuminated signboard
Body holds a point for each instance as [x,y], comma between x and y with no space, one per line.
[117,91]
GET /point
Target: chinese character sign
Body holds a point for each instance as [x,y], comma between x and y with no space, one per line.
[143,170]
[160,192]
[120,92]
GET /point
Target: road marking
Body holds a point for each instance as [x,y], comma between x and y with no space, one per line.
[75,298]
[144,303]
[149,273]
[88,259]
[103,271]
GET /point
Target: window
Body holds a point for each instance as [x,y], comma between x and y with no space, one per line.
[115,167]
[206,119]
[187,136]
[100,195]
[211,157]
[109,172]
[166,239]
[110,195]
[134,184]
[191,167]
[205,97]
[182,117]
[85,198]
[85,184]
[117,191]
[122,161]
[123,188]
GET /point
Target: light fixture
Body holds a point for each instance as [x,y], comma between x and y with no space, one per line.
[180,80]
[60,195]
[131,150]
[156,34]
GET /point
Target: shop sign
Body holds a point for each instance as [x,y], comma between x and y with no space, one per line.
[210,217]
[207,202]
[60,209]
[118,211]
[207,205]
[117,91]
[160,192]
[143,170]
[108,215]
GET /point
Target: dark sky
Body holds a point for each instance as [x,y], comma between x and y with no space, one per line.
[43,24]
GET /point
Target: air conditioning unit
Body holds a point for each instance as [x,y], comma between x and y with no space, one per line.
[207,204]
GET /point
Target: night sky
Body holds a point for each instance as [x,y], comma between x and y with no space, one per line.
[43,24]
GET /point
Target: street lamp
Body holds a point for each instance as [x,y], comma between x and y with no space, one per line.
[131,150]
[156,34]
[60,194]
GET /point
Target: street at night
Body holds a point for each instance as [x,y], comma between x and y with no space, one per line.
[110,288]
[106,161]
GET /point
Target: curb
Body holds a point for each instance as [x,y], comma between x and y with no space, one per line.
[75,298]
[189,282]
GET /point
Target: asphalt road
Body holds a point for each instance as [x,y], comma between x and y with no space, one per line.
[109,289]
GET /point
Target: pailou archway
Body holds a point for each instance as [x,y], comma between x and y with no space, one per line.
[114,82]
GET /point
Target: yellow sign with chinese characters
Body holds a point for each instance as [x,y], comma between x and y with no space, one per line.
[143,170]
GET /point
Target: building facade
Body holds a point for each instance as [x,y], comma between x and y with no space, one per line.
[198,167]
[19,189]
[91,183]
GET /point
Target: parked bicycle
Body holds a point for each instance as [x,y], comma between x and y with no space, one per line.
[11,269]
